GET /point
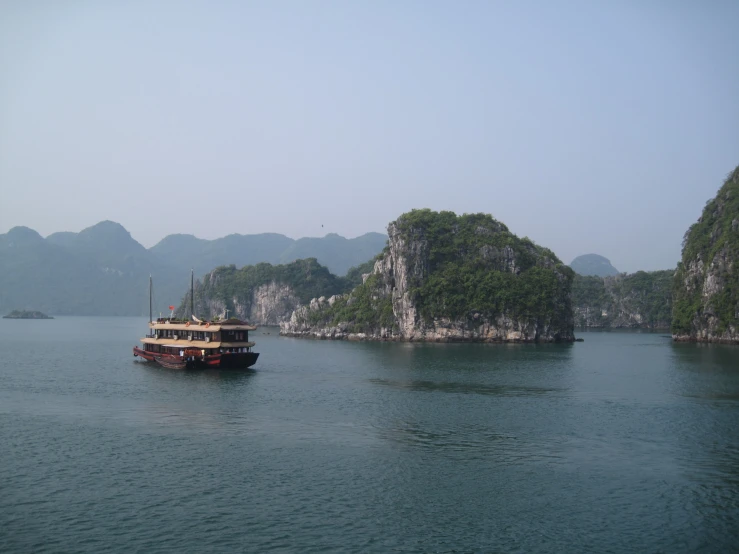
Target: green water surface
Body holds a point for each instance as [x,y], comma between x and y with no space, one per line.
[624,443]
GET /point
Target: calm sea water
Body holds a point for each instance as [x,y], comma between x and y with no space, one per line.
[624,443]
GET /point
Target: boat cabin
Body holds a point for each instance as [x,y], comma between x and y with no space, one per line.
[205,338]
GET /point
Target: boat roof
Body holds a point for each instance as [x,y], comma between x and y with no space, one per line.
[199,344]
[228,325]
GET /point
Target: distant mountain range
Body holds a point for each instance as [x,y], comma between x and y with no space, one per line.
[335,252]
[102,270]
[593,264]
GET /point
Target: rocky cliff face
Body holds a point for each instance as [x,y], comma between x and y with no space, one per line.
[706,286]
[268,304]
[641,300]
[262,294]
[449,278]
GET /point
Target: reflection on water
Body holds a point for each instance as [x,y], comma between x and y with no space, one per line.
[715,360]
[175,417]
[411,355]
[231,375]
[479,438]
[463,388]
[190,413]
[706,357]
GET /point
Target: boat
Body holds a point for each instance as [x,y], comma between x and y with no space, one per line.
[179,343]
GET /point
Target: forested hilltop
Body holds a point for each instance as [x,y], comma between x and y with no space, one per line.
[638,300]
[449,277]
[593,264]
[706,285]
[266,294]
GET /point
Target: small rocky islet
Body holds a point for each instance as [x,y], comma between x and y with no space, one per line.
[25,314]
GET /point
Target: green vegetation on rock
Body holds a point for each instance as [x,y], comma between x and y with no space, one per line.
[366,307]
[307,278]
[706,285]
[354,275]
[476,265]
[638,300]
[467,268]
[228,287]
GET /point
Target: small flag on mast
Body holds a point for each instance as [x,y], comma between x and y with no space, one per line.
[171,307]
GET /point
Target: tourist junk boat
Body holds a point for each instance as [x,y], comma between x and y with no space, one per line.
[180,343]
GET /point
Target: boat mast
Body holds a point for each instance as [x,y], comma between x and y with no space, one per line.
[192,292]
[150,298]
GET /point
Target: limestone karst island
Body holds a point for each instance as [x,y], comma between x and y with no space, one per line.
[445,277]
[706,286]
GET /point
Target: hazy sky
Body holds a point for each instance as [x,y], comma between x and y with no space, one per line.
[587,126]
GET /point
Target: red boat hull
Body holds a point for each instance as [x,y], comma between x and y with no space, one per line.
[138,352]
[232,360]
[226,360]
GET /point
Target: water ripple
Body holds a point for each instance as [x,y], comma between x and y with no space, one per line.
[464,388]
[625,443]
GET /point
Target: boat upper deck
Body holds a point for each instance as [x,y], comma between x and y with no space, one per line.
[195,343]
[210,326]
